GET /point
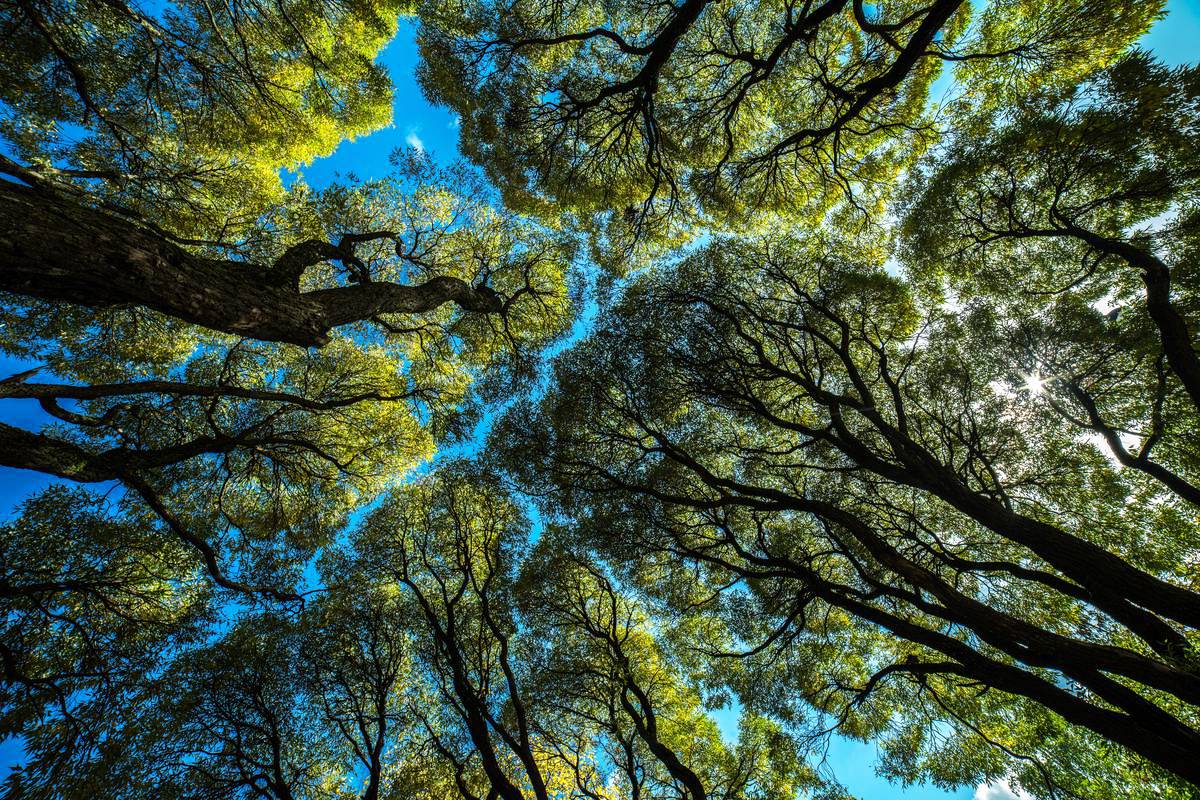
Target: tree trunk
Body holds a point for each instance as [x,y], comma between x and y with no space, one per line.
[57,250]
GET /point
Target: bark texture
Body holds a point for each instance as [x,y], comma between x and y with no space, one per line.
[54,249]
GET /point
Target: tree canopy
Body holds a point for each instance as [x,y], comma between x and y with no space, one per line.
[725,112]
[765,373]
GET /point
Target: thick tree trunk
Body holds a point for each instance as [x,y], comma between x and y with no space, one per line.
[54,249]
[1117,587]
[1153,744]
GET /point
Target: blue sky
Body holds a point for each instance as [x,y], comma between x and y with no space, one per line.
[1176,40]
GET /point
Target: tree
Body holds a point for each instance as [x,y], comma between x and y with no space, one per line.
[183,114]
[637,111]
[449,544]
[604,671]
[314,705]
[1092,196]
[357,658]
[60,250]
[188,116]
[92,596]
[231,726]
[807,429]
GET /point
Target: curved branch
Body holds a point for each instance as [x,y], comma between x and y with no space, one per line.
[16,387]
[206,552]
